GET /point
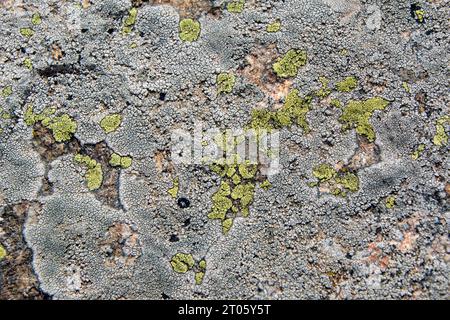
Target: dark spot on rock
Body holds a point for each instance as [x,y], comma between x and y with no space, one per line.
[162,96]
[111,30]
[184,203]
[165,296]
[187,222]
[174,238]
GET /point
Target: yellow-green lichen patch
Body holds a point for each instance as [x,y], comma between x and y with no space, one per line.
[182,262]
[94,173]
[199,277]
[120,161]
[294,111]
[335,103]
[325,90]
[337,182]
[347,85]
[130,21]
[441,137]
[6,91]
[236,6]
[225,82]
[28,63]
[416,154]
[36,18]
[390,202]
[175,187]
[405,86]
[324,172]
[26,32]
[420,15]
[265,185]
[274,27]
[357,114]
[62,127]
[111,122]
[288,65]
[189,30]
[2,252]
[235,194]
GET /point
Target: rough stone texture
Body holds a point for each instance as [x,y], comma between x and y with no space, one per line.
[298,242]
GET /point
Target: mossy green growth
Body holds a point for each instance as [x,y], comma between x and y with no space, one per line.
[225,82]
[441,138]
[325,90]
[347,85]
[236,6]
[221,202]
[36,18]
[288,65]
[120,161]
[202,264]
[182,262]
[189,30]
[175,188]
[2,252]
[274,27]
[130,21]
[390,202]
[111,122]
[28,63]
[324,172]
[94,173]
[416,154]
[420,15]
[62,127]
[357,114]
[6,91]
[26,32]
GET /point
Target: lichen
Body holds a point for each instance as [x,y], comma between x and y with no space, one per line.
[189,30]
[130,21]
[324,172]
[274,27]
[62,127]
[347,85]
[357,114]
[337,181]
[405,86]
[175,187]
[335,103]
[420,15]
[6,91]
[325,90]
[182,262]
[2,252]
[199,277]
[416,154]
[26,32]
[390,202]
[111,122]
[94,173]
[236,6]
[36,18]
[265,185]
[226,225]
[28,63]
[288,65]
[294,110]
[120,161]
[225,82]
[441,137]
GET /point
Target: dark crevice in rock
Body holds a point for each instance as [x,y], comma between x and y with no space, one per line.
[18,280]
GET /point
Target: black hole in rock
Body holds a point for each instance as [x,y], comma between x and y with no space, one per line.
[174,238]
[69,97]
[162,96]
[184,203]
[111,30]
[165,296]
[187,222]
[84,30]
